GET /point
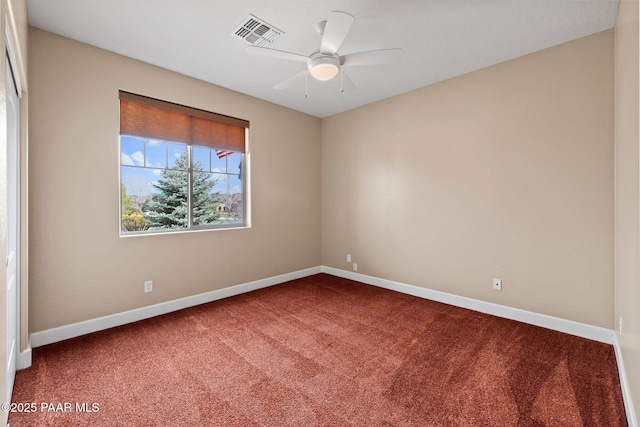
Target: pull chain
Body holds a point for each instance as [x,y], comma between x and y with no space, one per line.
[306,85]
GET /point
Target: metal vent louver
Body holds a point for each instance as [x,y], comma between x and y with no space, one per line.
[256,31]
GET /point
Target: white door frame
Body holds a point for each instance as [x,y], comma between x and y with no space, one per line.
[13,197]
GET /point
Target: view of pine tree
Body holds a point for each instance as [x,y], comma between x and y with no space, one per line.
[168,207]
[131,218]
[204,201]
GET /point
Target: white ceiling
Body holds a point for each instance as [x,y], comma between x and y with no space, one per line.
[441,39]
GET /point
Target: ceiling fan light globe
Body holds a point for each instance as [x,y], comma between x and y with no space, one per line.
[323,68]
[324,72]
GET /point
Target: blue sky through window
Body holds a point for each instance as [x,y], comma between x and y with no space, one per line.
[142,161]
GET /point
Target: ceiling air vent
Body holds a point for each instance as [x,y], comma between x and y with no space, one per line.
[256,31]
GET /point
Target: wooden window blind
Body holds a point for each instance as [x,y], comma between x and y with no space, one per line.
[153,118]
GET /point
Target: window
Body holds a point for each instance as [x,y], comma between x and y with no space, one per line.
[180,168]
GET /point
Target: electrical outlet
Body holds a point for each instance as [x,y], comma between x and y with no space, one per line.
[497,284]
[355,267]
[348,257]
[148,286]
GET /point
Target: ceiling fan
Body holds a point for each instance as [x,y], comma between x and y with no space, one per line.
[326,64]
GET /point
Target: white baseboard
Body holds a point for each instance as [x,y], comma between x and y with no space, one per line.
[73,330]
[24,359]
[626,392]
[591,332]
[93,325]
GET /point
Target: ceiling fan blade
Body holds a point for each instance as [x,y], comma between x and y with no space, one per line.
[335,31]
[381,56]
[343,82]
[274,53]
[291,80]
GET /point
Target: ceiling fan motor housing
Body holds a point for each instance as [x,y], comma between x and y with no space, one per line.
[323,66]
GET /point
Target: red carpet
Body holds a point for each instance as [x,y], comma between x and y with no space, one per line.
[322,351]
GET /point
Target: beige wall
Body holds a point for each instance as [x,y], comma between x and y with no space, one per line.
[627,192]
[79,266]
[505,172]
